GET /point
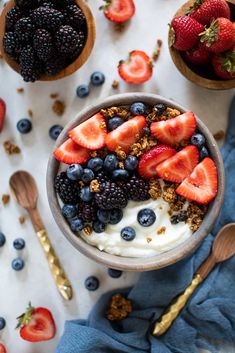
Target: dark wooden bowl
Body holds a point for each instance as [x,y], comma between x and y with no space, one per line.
[74,66]
[128,263]
[193,73]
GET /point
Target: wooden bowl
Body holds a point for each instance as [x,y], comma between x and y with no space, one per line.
[196,74]
[74,66]
[127,263]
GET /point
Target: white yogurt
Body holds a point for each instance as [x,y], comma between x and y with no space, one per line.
[147,241]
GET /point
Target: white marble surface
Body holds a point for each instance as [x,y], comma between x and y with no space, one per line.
[35,282]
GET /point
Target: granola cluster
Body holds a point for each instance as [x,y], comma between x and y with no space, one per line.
[143,145]
[11,148]
[123,112]
[119,308]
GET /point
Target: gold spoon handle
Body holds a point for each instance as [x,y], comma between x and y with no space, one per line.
[61,280]
[173,311]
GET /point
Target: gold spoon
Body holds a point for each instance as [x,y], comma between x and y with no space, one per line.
[24,189]
[223,248]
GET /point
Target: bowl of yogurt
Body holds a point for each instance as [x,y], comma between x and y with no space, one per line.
[135,182]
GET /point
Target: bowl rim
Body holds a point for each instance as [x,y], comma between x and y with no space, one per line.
[76,64]
[128,263]
[186,71]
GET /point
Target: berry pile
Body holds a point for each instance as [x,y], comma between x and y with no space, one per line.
[105,171]
[206,38]
[44,37]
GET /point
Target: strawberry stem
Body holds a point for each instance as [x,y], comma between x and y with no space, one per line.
[195,6]
[210,35]
[228,62]
[171,36]
[25,318]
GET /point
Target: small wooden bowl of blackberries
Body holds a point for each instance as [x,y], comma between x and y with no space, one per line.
[202,42]
[46,39]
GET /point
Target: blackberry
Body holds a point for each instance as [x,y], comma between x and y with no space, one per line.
[55,64]
[68,190]
[74,17]
[42,42]
[102,177]
[25,29]
[11,43]
[111,196]
[29,67]
[80,46]
[136,189]
[87,211]
[27,4]
[67,39]
[64,3]
[47,18]
[12,17]
[47,3]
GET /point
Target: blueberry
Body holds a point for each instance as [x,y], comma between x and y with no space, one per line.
[69,211]
[128,233]
[24,126]
[146,217]
[114,122]
[147,131]
[95,164]
[54,131]
[87,175]
[174,219]
[97,78]
[17,264]
[114,273]
[2,239]
[137,108]
[203,153]
[110,162]
[2,323]
[159,109]
[131,163]
[85,194]
[74,172]
[103,216]
[76,224]
[82,91]
[198,140]
[92,283]
[98,226]
[120,174]
[19,244]
[115,216]
[182,216]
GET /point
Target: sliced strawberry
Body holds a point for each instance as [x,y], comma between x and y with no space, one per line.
[69,152]
[91,133]
[149,160]
[178,167]
[2,113]
[36,324]
[119,11]
[137,68]
[202,185]
[2,348]
[175,130]
[126,134]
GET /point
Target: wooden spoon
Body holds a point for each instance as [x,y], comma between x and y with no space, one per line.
[24,189]
[223,248]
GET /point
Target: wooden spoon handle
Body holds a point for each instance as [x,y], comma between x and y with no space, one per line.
[61,280]
[173,311]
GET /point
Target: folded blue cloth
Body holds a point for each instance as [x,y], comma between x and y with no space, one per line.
[209,315]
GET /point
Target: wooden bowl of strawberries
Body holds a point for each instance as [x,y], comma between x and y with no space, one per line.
[202,42]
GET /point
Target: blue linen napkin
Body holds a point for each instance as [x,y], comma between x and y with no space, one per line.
[209,315]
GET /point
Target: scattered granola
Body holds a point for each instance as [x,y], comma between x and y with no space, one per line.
[58,107]
[87,229]
[121,165]
[219,135]
[149,239]
[157,50]
[20,90]
[162,230]
[94,186]
[172,113]
[5,199]
[121,155]
[30,113]
[169,194]
[54,95]
[119,27]
[119,308]
[10,148]
[112,111]
[144,145]
[94,154]
[81,184]
[21,219]
[115,84]
[155,190]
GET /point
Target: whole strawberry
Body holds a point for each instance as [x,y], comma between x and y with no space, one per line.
[184,32]
[220,36]
[204,11]
[198,55]
[224,64]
